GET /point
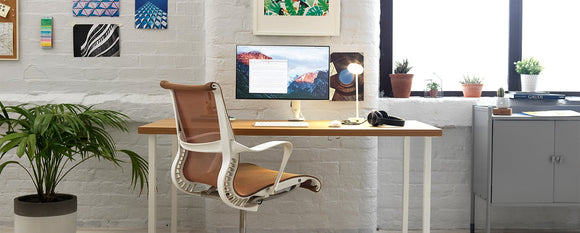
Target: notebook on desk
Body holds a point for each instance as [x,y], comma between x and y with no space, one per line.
[302,124]
[553,113]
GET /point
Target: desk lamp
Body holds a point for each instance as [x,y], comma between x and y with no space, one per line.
[356,69]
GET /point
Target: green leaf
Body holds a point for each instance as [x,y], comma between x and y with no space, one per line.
[267,4]
[289,7]
[4,115]
[12,136]
[315,11]
[274,8]
[139,170]
[21,146]
[323,4]
[3,165]
[31,145]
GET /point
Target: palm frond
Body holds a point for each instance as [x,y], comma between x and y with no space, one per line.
[139,170]
[52,135]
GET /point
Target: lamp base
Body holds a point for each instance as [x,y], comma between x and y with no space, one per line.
[356,120]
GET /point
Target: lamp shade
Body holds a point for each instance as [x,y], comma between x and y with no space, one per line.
[355,68]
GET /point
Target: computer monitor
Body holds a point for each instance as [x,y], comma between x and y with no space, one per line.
[286,72]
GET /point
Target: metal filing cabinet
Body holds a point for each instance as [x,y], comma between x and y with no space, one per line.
[525,161]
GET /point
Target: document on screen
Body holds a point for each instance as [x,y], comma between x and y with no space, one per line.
[268,76]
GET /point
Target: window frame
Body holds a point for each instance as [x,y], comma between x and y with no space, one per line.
[514,51]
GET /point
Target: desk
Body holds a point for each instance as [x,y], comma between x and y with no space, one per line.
[316,128]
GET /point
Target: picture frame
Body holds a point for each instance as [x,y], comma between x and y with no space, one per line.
[294,25]
[9,46]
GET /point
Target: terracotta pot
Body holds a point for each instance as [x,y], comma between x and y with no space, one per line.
[401,84]
[433,93]
[472,90]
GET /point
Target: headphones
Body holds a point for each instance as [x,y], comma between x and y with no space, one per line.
[376,118]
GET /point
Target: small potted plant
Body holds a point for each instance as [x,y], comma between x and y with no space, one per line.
[401,81]
[529,69]
[502,104]
[471,86]
[433,88]
[49,141]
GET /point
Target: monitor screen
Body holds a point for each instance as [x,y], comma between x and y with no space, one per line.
[282,72]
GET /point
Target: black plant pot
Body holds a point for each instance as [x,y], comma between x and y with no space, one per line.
[32,216]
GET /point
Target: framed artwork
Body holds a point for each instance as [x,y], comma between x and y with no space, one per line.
[297,18]
[8,29]
[151,14]
[342,82]
[96,40]
[96,8]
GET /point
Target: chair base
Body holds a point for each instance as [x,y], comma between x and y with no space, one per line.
[242,221]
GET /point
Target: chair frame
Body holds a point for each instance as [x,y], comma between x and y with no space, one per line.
[230,150]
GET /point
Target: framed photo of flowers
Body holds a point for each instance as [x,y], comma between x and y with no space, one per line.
[297,17]
[8,29]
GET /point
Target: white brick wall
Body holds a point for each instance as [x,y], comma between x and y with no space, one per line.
[361,176]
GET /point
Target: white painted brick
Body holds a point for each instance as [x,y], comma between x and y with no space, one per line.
[361,176]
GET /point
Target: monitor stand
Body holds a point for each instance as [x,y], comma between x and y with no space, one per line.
[296,114]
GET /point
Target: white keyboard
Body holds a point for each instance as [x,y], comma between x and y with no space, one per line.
[280,124]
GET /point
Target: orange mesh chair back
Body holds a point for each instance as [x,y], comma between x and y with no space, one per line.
[208,157]
[198,121]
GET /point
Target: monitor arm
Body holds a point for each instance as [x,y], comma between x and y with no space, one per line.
[296,114]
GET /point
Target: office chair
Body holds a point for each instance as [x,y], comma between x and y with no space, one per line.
[208,157]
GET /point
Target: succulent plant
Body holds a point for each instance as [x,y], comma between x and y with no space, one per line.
[467,79]
[432,86]
[500,92]
[402,67]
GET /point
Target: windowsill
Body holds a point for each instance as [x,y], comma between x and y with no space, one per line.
[446,111]
[441,112]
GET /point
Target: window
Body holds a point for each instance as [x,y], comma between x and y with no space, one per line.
[484,38]
[550,34]
[452,38]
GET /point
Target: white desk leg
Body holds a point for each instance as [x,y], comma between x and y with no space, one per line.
[427,187]
[152,177]
[173,191]
[406,158]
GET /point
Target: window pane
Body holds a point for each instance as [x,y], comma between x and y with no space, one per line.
[550,34]
[452,38]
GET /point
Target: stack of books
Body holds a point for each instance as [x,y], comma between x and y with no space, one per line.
[535,96]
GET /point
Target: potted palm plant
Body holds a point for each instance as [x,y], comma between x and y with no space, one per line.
[49,141]
[529,69]
[401,81]
[472,86]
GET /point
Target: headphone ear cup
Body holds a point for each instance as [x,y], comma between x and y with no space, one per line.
[383,114]
[373,117]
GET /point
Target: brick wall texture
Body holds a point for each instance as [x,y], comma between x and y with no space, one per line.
[361,175]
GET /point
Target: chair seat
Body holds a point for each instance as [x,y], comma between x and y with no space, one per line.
[251,178]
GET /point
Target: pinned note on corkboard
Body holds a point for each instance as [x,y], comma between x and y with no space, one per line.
[8,29]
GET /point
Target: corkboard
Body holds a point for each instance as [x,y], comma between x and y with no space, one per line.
[12,17]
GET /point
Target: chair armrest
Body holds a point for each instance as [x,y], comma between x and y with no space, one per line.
[206,147]
[238,148]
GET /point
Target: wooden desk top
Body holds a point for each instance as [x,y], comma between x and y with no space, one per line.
[316,128]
